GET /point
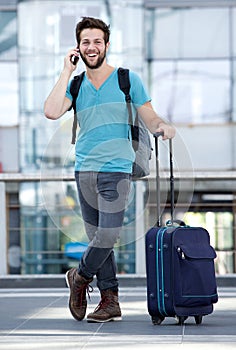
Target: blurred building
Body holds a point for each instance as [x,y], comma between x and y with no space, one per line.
[185,51]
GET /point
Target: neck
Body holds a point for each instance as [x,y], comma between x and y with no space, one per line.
[99,75]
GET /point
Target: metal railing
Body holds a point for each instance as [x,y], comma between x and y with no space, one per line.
[40,260]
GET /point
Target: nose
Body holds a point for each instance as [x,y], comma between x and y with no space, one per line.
[91,46]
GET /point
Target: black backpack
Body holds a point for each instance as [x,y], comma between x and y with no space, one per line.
[140,136]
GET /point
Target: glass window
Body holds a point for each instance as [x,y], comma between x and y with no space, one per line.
[127,35]
[8,35]
[50,218]
[192,91]
[234,30]
[189,54]
[8,69]
[35,70]
[9,94]
[233,101]
[186,33]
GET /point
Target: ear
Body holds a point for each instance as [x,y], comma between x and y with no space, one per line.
[107,45]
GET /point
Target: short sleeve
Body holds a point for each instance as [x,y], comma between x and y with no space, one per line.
[138,91]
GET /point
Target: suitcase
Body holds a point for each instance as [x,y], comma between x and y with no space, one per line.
[179,265]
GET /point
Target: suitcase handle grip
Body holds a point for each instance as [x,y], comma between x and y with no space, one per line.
[159,133]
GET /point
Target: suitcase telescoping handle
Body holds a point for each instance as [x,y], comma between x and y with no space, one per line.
[158,192]
[172,221]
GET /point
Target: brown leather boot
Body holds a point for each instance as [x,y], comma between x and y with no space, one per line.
[108,309]
[78,286]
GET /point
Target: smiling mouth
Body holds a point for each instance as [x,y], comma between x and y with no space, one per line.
[92,55]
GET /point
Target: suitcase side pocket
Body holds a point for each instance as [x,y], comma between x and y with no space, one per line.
[195,281]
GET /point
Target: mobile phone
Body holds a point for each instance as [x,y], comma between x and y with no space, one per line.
[74,59]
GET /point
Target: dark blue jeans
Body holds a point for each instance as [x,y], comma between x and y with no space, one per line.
[103,198]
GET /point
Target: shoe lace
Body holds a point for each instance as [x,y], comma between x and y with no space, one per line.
[81,291]
[89,289]
[105,301]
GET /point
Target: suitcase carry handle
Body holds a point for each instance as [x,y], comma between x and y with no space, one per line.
[158,193]
[175,221]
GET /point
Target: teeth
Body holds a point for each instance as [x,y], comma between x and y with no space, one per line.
[92,55]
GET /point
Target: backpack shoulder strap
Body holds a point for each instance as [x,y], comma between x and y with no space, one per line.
[74,90]
[124,82]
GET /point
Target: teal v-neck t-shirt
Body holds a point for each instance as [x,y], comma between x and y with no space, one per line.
[103,142]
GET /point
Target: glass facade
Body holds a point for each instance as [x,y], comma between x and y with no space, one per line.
[8,69]
[190,54]
[186,57]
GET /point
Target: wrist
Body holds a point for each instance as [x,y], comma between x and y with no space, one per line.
[65,76]
[66,73]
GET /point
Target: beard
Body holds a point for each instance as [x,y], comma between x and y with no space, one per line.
[97,64]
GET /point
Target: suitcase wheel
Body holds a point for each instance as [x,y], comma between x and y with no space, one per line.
[181,319]
[157,320]
[198,319]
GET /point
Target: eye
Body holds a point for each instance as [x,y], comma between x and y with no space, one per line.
[85,42]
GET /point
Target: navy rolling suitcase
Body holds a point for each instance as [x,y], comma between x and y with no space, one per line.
[179,265]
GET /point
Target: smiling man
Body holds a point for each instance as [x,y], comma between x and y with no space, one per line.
[104,159]
[92,49]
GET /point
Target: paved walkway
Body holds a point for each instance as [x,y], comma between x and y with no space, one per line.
[40,319]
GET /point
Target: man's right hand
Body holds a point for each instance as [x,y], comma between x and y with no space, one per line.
[68,62]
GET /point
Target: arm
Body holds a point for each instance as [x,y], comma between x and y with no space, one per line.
[57,103]
[154,123]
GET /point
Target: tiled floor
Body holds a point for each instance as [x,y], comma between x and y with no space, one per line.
[40,319]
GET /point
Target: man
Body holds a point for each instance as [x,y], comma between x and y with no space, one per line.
[104,158]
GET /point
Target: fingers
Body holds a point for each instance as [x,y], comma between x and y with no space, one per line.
[169,131]
[71,59]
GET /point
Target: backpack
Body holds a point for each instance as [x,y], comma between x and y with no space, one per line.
[140,136]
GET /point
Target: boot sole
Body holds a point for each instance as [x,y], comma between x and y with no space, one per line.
[93,320]
[67,280]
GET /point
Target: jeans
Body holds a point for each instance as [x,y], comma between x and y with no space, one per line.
[103,198]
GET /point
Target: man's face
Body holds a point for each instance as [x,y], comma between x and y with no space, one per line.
[92,47]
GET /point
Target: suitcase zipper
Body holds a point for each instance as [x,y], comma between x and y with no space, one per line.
[160,275]
[181,253]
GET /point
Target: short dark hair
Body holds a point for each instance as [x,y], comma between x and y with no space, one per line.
[91,22]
